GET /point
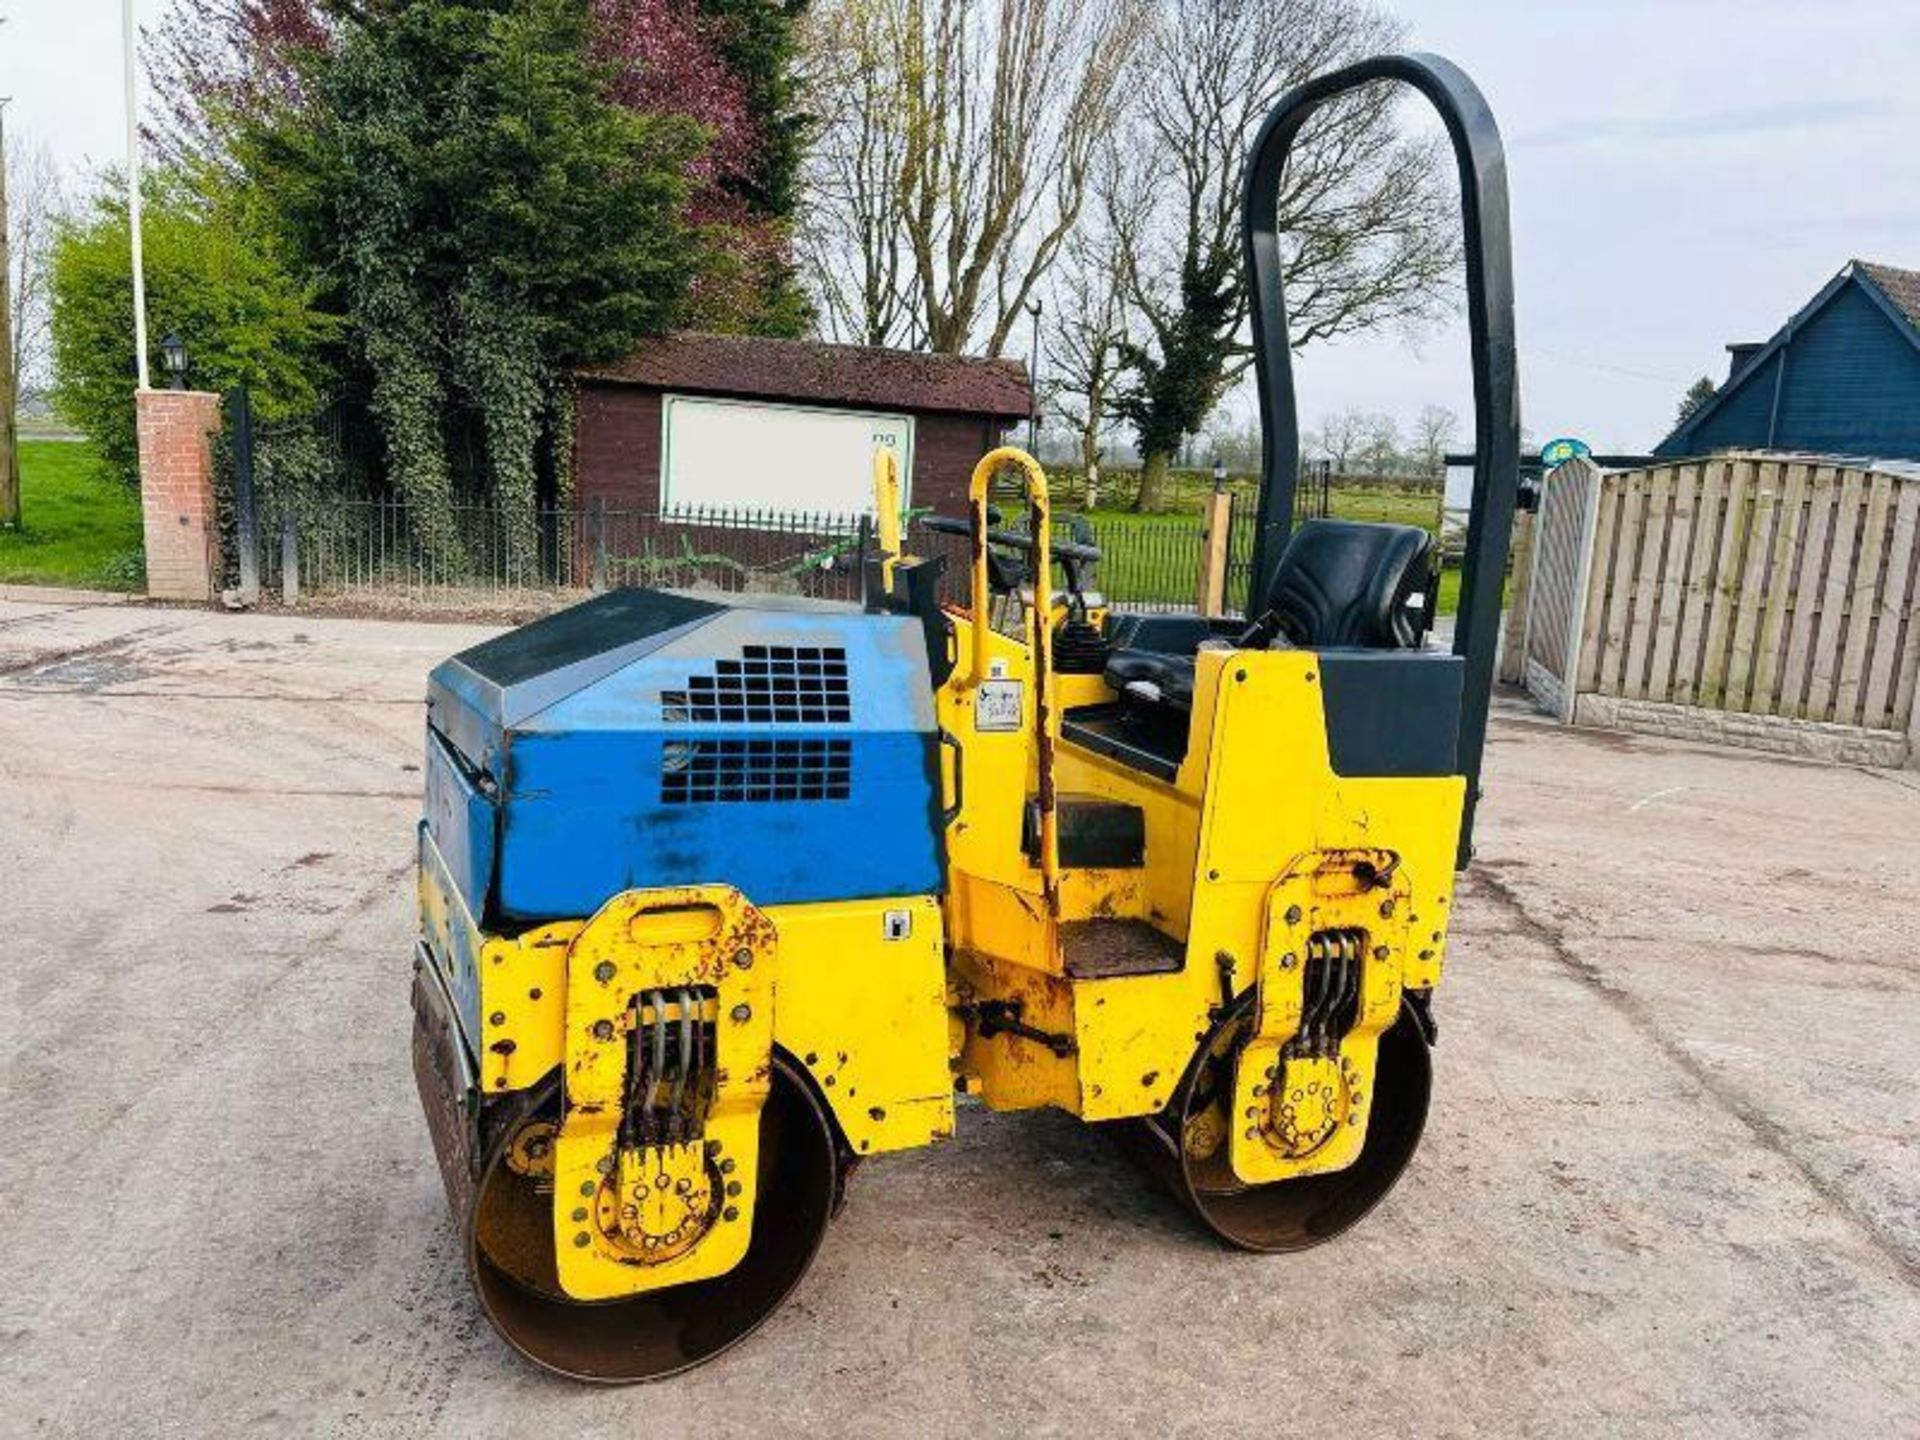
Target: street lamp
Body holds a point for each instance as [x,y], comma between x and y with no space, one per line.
[1219,474]
[1033,378]
[173,350]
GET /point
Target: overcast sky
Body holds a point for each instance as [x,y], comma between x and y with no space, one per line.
[1684,173]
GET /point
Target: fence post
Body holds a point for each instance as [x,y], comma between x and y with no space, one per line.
[289,557]
[597,529]
[1513,638]
[1218,526]
[246,518]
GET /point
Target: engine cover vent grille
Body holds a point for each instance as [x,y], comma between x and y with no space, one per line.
[697,772]
[767,685]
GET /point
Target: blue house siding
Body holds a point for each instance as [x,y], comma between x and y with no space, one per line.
[1740,420]
[1852,386]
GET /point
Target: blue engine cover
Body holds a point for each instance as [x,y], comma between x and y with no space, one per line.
[647,738]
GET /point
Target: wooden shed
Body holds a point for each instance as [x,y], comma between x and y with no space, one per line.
[740,423]
[1759,599]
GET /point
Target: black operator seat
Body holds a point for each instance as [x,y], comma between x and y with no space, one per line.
[1340,584]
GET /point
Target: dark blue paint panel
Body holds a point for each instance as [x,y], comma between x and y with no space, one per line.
[584,819]
[461,821]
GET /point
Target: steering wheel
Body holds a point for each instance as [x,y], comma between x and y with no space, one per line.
[1013,539]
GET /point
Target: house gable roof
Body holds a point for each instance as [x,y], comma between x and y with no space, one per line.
[1895,291]
[1899,289]
[812,370]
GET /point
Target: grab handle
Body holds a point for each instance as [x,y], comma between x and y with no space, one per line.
[951,813]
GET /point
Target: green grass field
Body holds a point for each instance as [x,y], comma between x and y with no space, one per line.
[1150,558]
[80,525]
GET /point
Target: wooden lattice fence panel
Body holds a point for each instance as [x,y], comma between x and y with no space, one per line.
[1763,585]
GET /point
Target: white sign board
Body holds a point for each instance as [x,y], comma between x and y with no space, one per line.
[750,455]
[996,706]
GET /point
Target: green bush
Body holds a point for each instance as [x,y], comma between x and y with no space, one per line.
[220,287]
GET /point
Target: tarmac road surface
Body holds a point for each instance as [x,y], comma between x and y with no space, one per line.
[1671,1182]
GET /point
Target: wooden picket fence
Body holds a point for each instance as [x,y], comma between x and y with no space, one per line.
[1754,584]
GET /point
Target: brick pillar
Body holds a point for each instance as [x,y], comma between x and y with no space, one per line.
[176,492]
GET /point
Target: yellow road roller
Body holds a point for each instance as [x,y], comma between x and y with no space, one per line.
[721,895]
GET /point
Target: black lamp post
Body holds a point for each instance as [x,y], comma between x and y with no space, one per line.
[1033,379]
[173,350]
[1219,474]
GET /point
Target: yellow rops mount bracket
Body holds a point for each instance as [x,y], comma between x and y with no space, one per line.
[1329,985]
[669,1049]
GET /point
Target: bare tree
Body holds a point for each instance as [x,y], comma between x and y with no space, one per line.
[1089,333]
[1362,207]
[1233,439]
[849,236]
[956,157]
[1380,445]
[1433,430]
[29,208]
[35,202]
[1341,437]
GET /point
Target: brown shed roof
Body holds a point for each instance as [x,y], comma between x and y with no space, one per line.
[1902,287]
[829,374]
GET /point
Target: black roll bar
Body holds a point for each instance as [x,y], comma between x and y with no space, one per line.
[1496,398]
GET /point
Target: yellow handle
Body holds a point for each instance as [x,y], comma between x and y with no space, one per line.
[1040,551]
[1039,629]
[886,511]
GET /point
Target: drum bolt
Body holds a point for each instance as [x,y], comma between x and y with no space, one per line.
[582,1240]
[1288,961]
[1273,1072]
[733,1187]
[586,1187]
[605,1166]
[713,1147]
[579,1214]
[1380,952]
[682,1186]
[662,1182]
[499,1017]
[1259,1090]
[1386,909]
[742,1014]
[743,957]
[732,1212]
[603,1030]
[726,1166]
[1252,1134]
[603,972]
[1253,1112]
[1293,915]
